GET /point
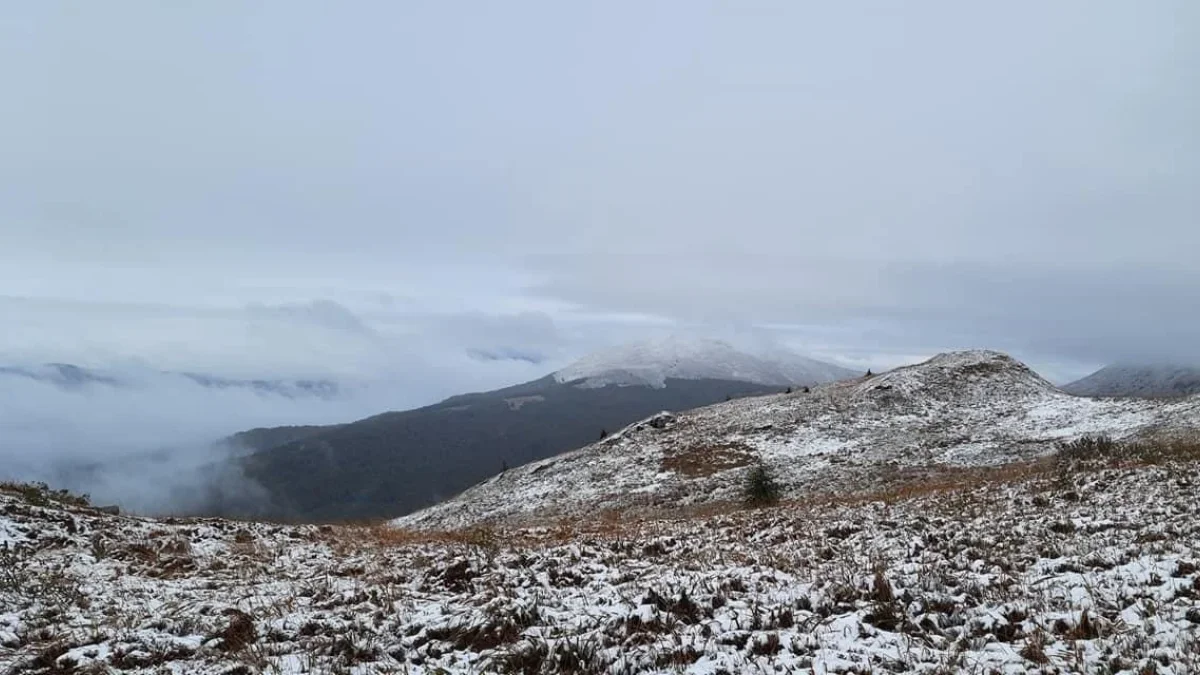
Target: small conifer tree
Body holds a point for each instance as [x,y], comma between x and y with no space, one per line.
[760,488]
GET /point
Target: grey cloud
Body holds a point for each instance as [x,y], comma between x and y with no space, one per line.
[297,137]
[324,313]
[526,336]
[1090,313]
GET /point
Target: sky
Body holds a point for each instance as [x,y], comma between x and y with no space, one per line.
[449,196]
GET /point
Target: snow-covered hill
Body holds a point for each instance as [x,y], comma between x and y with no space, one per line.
[1084,569]
[653,362]
[1139,380]
[957,409]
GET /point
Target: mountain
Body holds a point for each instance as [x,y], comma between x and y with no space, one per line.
[397,462]
[304,388]
[652,363]
[63,375]
[265,438]
[1139,380]
[958,409]
[72,377]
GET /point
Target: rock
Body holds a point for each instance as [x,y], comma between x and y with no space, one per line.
[661,420]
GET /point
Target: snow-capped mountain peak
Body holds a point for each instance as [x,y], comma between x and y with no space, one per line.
[653,362]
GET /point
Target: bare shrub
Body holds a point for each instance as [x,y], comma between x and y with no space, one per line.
[41,494]
[1089,447]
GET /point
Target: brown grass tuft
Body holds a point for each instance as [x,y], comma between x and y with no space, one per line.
[706,460]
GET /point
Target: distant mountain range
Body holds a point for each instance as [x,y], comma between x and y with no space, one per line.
[396,462]
[1139,380]
[961,409]
[70,377]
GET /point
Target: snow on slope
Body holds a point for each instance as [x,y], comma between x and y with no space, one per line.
[1139,380]
[653,362]
[957,409]
[1092,573]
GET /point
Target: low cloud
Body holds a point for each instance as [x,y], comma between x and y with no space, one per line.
[140,433]
[1088,314]
[323,313]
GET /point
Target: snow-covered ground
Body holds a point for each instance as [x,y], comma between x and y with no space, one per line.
[1034,568]
[958,409]
[653,362]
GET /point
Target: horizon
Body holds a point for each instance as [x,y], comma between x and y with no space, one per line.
[256,197]
[436,199]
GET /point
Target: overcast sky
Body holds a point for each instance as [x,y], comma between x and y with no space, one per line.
[447,191]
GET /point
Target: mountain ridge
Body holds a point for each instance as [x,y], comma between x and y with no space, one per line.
[71,377]
[958,409]
[1133,379]
[398,461]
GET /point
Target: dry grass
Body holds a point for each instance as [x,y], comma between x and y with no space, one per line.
[40,494]
[901,485]
[706,460]
[971,548]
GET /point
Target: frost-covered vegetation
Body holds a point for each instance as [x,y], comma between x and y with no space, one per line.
[1085,561]
[961,409]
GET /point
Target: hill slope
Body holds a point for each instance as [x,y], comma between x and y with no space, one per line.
[1139,380]
[958,409]
[1088,569]
[397,462]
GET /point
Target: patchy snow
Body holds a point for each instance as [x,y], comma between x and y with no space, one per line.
[974,408]
[9,532]
[652,363]
[1092,569]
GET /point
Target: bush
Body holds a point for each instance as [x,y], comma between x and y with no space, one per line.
[761,488]
[1089,447]
[40,494]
